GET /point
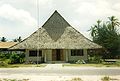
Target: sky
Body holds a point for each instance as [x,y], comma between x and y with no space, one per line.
[19,17]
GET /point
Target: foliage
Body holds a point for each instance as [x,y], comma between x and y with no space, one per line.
[7,61]
[107,35]
[106,78]
[75,79]
[95,59]
[17,58]
[118,62]
[81,62]
[12,58]
[13,79]
[19,39]
[3,64]
[3,39]
[14,40]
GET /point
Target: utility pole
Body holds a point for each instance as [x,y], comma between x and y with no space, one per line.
[38,31]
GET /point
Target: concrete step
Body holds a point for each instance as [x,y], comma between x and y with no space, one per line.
[53,66]
[56,62]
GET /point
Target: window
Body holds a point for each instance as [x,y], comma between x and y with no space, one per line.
[77,52]
[33,53]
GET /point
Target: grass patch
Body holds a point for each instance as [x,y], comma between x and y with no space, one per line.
[81,65]
[93,65]
[22,65]
[106,78]
[73,79]
[103,64]
[13,79]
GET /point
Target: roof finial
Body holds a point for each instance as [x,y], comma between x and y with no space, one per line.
[56,11]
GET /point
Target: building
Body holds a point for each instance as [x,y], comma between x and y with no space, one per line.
[4,47]
[56,41]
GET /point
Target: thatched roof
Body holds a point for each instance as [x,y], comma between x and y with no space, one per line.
[56,33]
[5,45]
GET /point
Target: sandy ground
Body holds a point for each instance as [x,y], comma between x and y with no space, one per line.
[38,77]
[58,78]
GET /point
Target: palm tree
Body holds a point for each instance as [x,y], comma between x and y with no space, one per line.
[107,35]
[19,39]
[99,22]
[113,22]
[94,29]
[14,40]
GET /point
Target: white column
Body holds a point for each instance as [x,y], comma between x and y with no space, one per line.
[85,54]
[66,53]
[45,55]
[26,55]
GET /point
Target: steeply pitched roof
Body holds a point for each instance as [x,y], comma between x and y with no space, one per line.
[5,45]
[55,26]
[56,33]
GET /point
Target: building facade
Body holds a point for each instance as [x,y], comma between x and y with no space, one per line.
[56,41]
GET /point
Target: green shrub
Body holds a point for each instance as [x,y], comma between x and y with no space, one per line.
[4,79]
[3,64]
[118,63]
[75,79]
[106,78]
[95,59]
[8,61]
[17,58]
[81,62]
[14,58]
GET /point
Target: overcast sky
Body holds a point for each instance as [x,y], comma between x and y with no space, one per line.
[19,17]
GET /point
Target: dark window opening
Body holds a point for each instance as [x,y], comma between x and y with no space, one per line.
[58,54]
[77,52]
[34,53]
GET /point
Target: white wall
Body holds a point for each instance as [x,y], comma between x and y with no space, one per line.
[47,54]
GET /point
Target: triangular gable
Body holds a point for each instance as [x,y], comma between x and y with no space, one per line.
[55,26]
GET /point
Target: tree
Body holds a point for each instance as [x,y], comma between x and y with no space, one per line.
[106,35]
[113,22]
[19,39]
[3,39]
[14,40]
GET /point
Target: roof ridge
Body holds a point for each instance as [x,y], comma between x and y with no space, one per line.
[52,15]
[55,25]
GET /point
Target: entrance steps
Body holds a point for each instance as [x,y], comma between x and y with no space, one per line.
[56,62]
[53,66]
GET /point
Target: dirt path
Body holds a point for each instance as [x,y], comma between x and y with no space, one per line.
[59,78]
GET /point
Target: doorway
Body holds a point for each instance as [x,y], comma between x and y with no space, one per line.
[57,55]
[58,58]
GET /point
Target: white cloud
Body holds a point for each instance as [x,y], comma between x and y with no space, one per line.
[15,22]
[21,15]
[10,13]
[89,11]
